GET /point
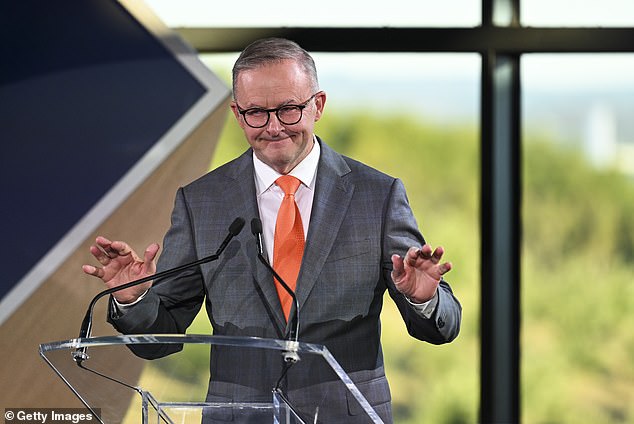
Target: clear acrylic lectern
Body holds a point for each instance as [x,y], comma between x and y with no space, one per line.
[123,388]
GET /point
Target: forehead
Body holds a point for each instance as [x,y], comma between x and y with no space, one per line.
[281,82]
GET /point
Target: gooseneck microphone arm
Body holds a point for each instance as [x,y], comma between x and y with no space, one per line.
[86,326]
[256,229]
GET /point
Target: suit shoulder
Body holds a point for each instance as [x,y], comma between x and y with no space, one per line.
[362,172]
[218,176]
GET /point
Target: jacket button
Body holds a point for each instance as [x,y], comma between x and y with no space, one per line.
[441,323]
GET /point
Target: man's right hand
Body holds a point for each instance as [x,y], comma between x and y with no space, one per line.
[121,265]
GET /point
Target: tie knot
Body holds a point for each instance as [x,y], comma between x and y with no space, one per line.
[288,183]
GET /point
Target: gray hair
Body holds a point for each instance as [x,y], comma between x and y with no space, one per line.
[274,50]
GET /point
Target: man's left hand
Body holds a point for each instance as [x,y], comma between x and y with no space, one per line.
[417,274]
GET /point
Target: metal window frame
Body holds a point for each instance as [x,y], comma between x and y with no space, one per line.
[500,47]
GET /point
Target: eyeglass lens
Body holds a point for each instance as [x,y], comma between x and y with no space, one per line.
[287,115]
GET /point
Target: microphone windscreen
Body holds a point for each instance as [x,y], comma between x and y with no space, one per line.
[236,226]
[256,226]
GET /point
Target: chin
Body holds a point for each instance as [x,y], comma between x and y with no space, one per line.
[279,149]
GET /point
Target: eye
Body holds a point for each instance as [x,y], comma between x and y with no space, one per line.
[255,113]
[289,109]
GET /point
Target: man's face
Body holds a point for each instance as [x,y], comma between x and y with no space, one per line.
[270,86]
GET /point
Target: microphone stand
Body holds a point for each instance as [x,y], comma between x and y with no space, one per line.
[290,355]
[256,229]
[86,327]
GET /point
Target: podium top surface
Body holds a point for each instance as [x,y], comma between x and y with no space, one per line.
[253,342]
[107,361]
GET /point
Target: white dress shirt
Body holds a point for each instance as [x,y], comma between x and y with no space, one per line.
[270,195]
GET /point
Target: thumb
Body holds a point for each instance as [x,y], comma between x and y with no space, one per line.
[148,257]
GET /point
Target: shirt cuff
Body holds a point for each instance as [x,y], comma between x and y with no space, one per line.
[121,308]
[425,309]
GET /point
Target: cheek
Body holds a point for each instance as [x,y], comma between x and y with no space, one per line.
[251,134]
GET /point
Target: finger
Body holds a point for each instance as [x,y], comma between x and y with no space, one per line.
[445,268]
[425,252]
[398,267]
[412,256]
[100,255]
[437,255]
[102,243]
[120,248]
[94,271]
[106,246]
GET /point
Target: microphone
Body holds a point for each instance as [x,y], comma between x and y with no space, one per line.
[80,354]
[256,229]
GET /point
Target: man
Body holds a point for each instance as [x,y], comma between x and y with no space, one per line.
[355,236]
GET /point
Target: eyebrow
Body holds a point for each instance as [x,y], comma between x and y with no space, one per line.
[284,103]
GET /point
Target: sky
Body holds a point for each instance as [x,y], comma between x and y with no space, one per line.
[395,12]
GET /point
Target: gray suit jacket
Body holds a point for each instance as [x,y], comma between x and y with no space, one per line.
[360,217]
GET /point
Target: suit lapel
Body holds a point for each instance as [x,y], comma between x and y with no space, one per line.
[240,191]
[244,201]
[333,193]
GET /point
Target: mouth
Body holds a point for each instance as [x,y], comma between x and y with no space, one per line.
[276,139]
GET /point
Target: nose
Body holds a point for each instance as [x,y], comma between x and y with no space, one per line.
[274,126]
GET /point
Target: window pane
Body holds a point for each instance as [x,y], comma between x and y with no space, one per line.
[606,13]
[327,13]
[578,245]
[414,116]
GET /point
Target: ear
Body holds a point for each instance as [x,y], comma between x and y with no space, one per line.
[320,103]
[236,113]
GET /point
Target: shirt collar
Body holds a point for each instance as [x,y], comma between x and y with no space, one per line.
[305,171]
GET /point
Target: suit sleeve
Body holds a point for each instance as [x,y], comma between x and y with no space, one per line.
[173,302]
[399,234]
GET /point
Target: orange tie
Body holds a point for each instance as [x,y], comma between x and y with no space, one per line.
[288,244]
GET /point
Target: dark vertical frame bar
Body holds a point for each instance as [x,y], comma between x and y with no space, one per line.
[501,227]
[500,250]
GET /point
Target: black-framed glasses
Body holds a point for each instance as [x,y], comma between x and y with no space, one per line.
[288,114]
